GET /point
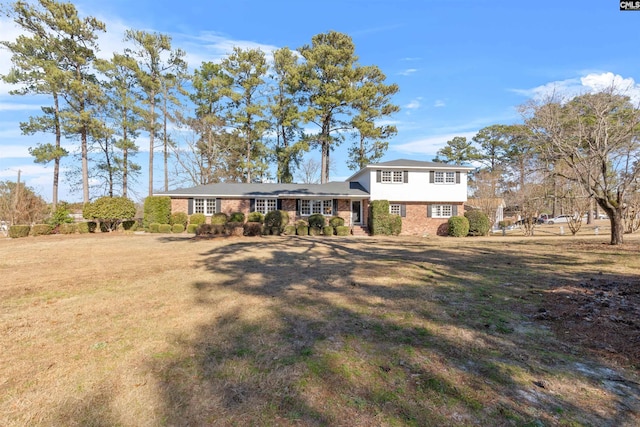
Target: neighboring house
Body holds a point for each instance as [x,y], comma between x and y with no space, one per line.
[424,194]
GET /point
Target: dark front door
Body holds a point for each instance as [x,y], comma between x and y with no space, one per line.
[356,212]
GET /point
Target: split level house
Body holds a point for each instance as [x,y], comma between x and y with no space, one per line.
[424,194]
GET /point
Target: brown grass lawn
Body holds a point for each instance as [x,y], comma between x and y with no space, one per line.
[148,330]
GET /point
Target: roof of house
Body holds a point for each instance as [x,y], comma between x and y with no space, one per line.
[411,164]
[269,190]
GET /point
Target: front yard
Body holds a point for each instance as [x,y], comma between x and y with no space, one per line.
[136,330]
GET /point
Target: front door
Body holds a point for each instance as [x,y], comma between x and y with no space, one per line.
[356,212]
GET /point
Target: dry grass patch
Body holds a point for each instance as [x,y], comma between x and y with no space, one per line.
[146,330]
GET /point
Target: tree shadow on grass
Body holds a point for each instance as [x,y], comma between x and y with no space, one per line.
[373,332]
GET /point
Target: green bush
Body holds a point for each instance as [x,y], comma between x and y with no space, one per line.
[327,230]
[219,218]
[92,226]
[342,230]
[301,222]
[252,228]
[179,218]
[154,227]
[191,228]
[313,231]
[157,209]
[236,217]
[83,227]
[302,230]
[40,230]
[290,230]
[197,219]
[336,221]
[381,222]
[458,226]
[278,219]
[177,228]
[317,221]
[130,225]
[110,211]
[16,231]
[234,228]
[68,228]
[164,228]
[255,217]
[61,215]
[479,224]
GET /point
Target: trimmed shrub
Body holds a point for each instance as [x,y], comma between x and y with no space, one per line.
[219,218]
[68,228]
[255,217]
[327,230]
[302,230]
[164,228]
[336,221]
[179,218]
[290,230]
[40,230]
[395,224]
[191,228]
[301,222]
[110,211]
[342,230]
[252,228]
[458,226]
[234,228]
[197,219]
[154,227]
[479,224]
[236,217]
[317,221]
[83,227]
[381,222]
[210,230]
[313,231]
[157,209]
[177,228]
[277,219]
[16,231]
[130,225]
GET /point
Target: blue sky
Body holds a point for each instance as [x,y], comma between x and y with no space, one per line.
[461,65]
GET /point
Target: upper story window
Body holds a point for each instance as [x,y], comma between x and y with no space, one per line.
[265,205]
[392,177]
[204,206]
[438,177]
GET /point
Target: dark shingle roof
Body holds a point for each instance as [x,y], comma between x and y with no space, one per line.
[282,191]
[404,163]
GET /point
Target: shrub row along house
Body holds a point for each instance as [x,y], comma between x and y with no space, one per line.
[424,194]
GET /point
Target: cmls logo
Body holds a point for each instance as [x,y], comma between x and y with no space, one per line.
[629,5]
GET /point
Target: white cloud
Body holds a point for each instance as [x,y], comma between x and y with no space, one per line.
[408,71]
[590,83]
[14,151]
[439,103]
[430,144]
[413,104]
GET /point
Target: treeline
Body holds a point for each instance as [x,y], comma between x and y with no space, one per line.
[235,120]
[570,156]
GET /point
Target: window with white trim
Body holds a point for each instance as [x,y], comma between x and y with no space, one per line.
[395,209]
[265,205]
[438,178]
[204,206]
[441,211]
[308,207]
[450,178]
[395,177]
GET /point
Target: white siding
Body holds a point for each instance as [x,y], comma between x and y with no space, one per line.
[418,189]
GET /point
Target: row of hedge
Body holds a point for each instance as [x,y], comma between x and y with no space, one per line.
[473,223]
[16,231]
[258,229]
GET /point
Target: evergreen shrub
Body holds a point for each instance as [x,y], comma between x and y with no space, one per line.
[236,217]
[191,228]
[219,218]
[197,219]
[164,228]
[252,228]
[83,227]
[290,230]
[110,211]
[66,228]
[179,218]
[234,228]
[177,228]
[314,231]
[156,209]
[342,230]
[40,230]
[479,224]
[336,221]
[154,227]
[255,217]
[381,222]
[16,231]
[327,230]
[278,218]
[458,226]
[302,230]
[130,225]
[317,221]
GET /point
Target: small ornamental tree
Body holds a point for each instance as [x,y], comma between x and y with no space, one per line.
[110,211]
[156,209]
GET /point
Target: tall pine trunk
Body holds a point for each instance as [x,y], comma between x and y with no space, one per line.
[56,159]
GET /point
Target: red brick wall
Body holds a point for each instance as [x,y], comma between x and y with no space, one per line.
[230,206]
[179,205]
[416,223]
